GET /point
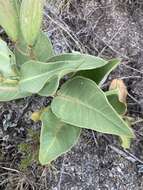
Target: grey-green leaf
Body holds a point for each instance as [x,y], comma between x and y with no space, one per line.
[21,52]
[17,4]
[30,19]
[10,92]
[80,102]
[7,60]
[9,19]
[99,75]
[36,74]
[113,98]
[50,87]
[42,51]
[56,137]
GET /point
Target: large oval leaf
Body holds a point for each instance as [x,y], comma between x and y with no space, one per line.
[56,137]
[30,19]
[9,19]
[80,102]
[36,74]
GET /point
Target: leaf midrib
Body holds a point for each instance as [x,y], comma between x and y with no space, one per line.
[70,99]
[55,137]
[11,89]
[41,75]
[61,69]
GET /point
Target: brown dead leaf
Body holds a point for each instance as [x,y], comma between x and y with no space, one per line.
[120,85]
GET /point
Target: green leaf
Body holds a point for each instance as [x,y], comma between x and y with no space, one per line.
[113,98]
[22,52]
[7,61]
[56,137]
[30,19]
[75,56]
[50,87]
[126,142]
[99,75]
[10,92]
[9,19]
[80,102]
[36,74]
[17,4]
[42,50]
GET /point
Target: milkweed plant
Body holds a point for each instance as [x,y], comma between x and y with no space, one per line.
[32,67]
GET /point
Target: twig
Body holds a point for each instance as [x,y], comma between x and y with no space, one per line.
[108,43]
[10,169]
[61,174]
[127,155]
[72,36]
[138,121]
[134,99]
[129,67]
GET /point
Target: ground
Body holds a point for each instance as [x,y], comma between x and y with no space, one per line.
[108,28]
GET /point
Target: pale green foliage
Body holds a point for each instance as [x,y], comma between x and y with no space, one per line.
[17,4]
[126,142]
[56,137]
[7,61]
[9,85]
[10,91]
[41,51]
[91,103]
[36,74]
[30,19]
[50,87]
[9,19]
[34,69]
